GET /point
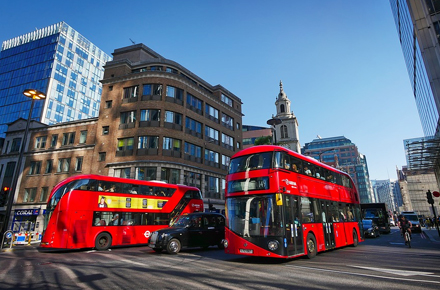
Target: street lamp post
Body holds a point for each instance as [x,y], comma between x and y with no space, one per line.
[34,95]
[320,154]
[273,122]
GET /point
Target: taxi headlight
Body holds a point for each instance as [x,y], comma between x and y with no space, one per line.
[273,245]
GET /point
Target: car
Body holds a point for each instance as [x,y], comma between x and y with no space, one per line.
[414,219]
[190,230]
[370,229]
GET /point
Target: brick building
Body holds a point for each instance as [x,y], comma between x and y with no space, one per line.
[157,121]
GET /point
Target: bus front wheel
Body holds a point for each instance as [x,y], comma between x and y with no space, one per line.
[311,246]
[103,241]
[355,238]
[173,246]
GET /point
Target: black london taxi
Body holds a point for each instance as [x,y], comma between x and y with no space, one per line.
[191,230]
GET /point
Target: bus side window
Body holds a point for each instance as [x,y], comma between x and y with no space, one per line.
[296,164]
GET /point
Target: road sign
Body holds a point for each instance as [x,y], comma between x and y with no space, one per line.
[436,193]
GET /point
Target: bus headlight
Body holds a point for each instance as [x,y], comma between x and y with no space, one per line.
[225,243]
[273,245]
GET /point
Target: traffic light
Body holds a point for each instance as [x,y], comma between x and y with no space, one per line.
[4,195]
[429,197]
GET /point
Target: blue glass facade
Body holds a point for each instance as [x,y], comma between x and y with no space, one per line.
[343,154]
[58,61]
[427,99]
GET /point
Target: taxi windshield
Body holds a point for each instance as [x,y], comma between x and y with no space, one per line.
[182,222]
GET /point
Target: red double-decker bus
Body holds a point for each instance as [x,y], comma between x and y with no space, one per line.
[282,204]
[93,211]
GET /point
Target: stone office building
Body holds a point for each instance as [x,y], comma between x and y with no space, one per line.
[157,121]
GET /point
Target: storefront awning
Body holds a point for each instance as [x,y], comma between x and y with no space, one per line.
[422,153]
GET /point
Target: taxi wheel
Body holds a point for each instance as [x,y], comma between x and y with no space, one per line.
[103,241]
[173,246]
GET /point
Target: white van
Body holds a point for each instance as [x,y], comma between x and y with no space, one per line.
[414,219]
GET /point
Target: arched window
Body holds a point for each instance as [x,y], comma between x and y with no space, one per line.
[284,131]
[282,109]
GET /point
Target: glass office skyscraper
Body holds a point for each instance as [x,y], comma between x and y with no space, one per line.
[58,61]
[420,49]
[418,28]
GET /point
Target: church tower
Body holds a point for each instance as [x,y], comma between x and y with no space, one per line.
[287,130]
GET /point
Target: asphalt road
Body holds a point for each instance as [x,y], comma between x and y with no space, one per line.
[381,263]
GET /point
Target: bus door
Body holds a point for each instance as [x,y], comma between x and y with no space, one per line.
[327,224]
[293,234]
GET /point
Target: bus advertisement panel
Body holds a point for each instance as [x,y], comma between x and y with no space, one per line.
[282,204]
[87,211]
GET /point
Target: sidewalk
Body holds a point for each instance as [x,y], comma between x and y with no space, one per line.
[33,246]
[432,234]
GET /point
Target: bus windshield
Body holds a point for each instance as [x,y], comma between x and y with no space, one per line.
[254,216]
[251,162]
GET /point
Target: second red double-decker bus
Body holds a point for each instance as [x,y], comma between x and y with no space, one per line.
[87,211]
[282,204]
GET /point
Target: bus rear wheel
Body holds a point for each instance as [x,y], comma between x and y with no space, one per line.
[173,246]
[311,246]
[103,241]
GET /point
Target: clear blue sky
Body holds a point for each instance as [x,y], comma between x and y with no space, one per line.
[340,61]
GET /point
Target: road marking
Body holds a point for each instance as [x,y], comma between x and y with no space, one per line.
[396,272]
[368,275]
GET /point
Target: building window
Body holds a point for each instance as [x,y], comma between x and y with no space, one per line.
[148,142]
[152,89]
[171,70]
[227,121]
[131,92]
[125,144]
[171,144]
[170,175]
[54,140]
[150,115]
[34,167]
[63,165]
[194,103]
[44,194]
[192,179]
[108,104]
[146,173]
[172,117]
[211,158]
[40,142]
[49,165]
[237,125]
[211,113]
[212,187]
[30,194]
[128,117]
[282,108]
[227,100]
[122,172]
[193,150]
[110,88]
[175,93]
[68,138]
[105,130]
[211,134]
[83,137]
[193,125]
[225,161]
[101,156]
[284,133]
[78,164]
[228,141]
[16,142]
